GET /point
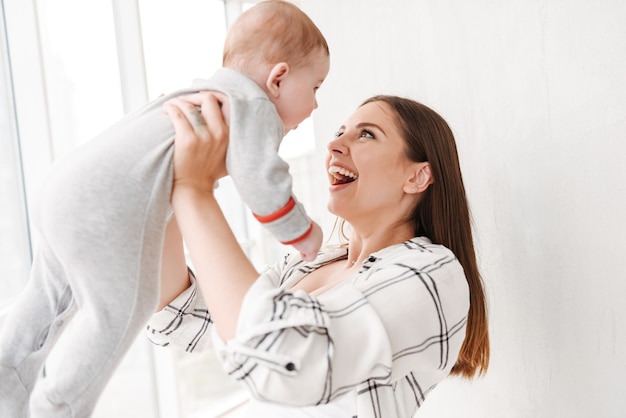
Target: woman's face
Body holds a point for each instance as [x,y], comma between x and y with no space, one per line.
[367,167]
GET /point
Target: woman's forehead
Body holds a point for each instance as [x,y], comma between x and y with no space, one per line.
[377,113]
[373,110]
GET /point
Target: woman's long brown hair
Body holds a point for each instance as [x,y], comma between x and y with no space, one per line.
[443,215]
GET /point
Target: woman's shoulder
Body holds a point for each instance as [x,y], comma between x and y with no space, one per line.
[416,264]
[415,257]
[417,250]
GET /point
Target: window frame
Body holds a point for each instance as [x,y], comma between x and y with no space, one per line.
[13,172]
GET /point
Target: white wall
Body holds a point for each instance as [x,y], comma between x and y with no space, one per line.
[535,91]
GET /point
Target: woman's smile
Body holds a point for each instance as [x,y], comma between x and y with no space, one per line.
[340,175]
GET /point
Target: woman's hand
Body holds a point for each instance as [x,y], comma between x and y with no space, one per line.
[201,140]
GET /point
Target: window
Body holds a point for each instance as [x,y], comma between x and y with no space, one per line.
[72,78]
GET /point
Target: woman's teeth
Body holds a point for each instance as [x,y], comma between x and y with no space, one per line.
[341,174]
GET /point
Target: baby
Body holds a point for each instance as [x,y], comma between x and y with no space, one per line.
[103,215]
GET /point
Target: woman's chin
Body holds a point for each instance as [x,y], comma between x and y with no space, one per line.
[336,207]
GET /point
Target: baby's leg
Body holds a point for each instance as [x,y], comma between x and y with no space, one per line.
[114,277]
[35,320]
[109,302]
[113,309]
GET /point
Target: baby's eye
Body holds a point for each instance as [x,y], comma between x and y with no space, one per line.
[338,134]
[366,134]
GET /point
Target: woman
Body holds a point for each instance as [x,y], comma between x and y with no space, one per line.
[367,329]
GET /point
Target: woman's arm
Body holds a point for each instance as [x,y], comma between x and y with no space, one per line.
[223,271]
[174,274]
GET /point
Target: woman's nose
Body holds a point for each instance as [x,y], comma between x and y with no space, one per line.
[337,145]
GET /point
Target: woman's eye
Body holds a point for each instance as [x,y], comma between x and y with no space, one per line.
[366,134]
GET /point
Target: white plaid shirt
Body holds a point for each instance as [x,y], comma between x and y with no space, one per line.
[386,336]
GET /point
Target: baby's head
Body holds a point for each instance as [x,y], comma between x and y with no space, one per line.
[279,47]
[270,32]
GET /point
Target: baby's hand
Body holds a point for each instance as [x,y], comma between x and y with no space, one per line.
[309,246]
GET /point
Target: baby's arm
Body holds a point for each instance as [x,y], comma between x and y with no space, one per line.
[262,177]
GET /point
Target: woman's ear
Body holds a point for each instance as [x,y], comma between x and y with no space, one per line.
[420,180]
[275,77]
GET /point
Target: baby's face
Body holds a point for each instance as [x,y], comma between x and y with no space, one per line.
[296,100]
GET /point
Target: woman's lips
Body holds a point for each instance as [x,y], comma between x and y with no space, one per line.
[341,175]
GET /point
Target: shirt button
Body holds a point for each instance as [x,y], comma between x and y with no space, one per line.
[290,366]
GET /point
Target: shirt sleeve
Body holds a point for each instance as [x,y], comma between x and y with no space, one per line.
[260,175]
[184,323]
[403,312]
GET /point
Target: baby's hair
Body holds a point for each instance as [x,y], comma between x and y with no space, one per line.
[270,32]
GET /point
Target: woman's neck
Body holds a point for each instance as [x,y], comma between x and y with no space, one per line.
[362,243]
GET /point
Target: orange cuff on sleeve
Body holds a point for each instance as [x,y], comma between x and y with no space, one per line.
[301,237]
[278,214]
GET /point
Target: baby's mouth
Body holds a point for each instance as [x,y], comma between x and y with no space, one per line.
[340,175]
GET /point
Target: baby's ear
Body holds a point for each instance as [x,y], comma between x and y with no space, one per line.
[275,77]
